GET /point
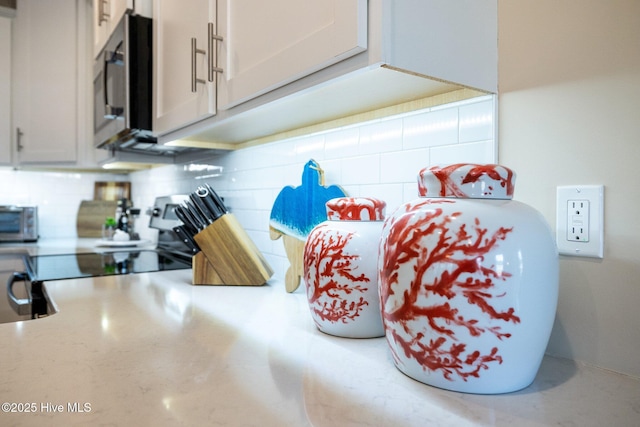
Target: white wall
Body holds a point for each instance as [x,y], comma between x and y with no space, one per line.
[570,114]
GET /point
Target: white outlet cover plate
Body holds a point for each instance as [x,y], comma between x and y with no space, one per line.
[595,195]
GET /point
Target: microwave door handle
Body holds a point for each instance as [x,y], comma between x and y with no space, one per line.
[105,72]
[116,57]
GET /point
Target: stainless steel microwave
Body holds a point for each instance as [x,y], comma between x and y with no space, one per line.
[18,223]
[122,86]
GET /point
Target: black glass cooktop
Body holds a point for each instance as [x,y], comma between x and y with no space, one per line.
[92,264]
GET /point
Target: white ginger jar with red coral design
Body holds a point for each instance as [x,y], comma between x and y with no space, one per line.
[468,282]
[341,268]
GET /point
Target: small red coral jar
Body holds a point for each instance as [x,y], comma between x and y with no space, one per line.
[468,282]
[341,268]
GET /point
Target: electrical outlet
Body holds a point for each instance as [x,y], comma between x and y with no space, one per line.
[580,220]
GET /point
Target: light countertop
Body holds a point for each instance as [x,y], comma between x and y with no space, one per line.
[151,349]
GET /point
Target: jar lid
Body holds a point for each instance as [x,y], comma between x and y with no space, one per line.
[467,181]
[355,209]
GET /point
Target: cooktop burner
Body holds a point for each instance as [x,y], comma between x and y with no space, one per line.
[92,264]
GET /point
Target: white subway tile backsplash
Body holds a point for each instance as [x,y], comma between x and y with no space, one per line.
[290,174]
[379,159]
[476,121]
[410,190]
[361,170]
[431,128]
[403,166]
[258,157]
[475,152]
[392,194]
[342,143]
[57,195]
[240,200]
[259,199]
[261,239]
[309,147]
[250,219]
[332,170]
[381,136]
[353,190]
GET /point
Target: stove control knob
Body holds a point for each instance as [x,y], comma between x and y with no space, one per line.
[155,211]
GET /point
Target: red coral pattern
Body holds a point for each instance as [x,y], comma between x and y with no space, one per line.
[355,209]
[332,284]
[453,178]
[446,256]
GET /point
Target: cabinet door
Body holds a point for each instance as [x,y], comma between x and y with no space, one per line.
[101,27]
[5,90]
[183,92]
[44,80]
[106,15]
[272,43]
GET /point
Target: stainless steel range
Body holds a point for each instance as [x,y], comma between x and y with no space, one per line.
[26,295]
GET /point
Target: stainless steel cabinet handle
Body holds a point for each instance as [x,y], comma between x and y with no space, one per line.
[19,134]
[194,64]
[213,57]
[102,15]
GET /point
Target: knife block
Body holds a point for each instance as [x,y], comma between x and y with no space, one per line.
[228,256]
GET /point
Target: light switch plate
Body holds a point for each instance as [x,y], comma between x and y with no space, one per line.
[580,220]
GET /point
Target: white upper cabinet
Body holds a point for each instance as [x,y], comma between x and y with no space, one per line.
[287,65]
[269,44]
[5,91]
[184,89]
[244,49]
[106,15]
[456,41]
[45,78]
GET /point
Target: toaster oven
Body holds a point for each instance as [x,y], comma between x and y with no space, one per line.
[18,223]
